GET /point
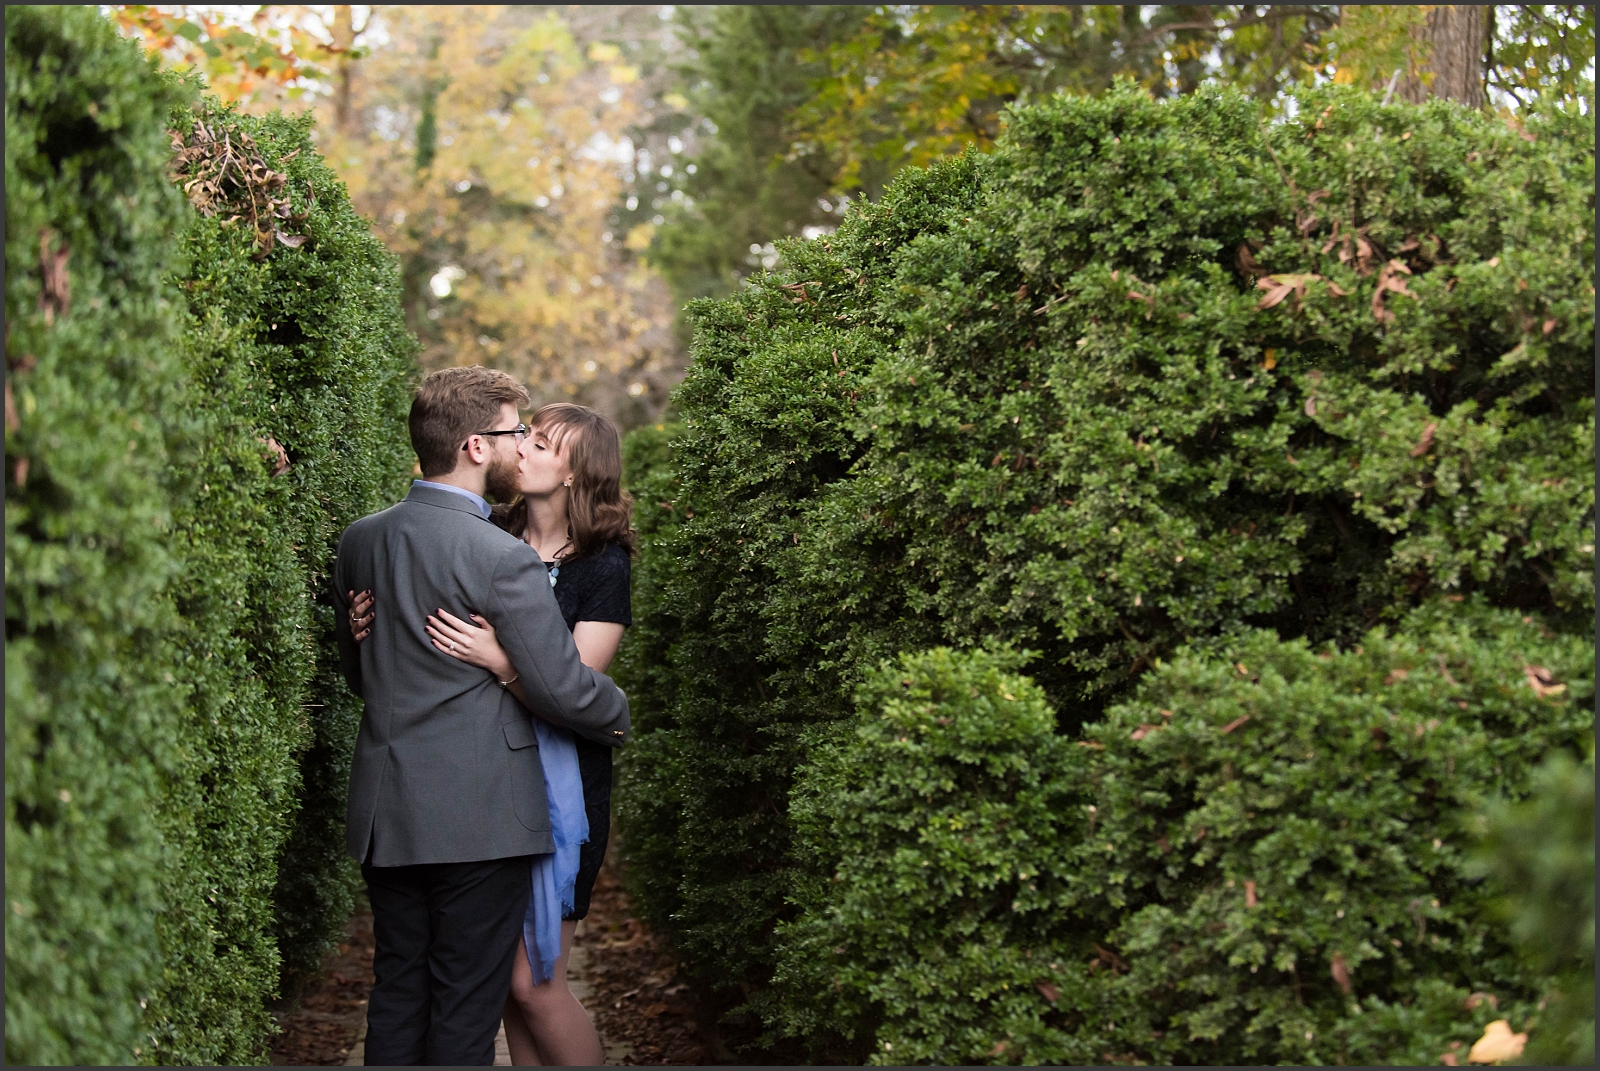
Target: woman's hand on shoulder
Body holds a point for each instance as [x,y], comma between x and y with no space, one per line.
[361,614]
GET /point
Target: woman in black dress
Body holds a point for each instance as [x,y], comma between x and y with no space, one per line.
[573,511]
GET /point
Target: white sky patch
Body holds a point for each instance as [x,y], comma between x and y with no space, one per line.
[603,149]
[443,278]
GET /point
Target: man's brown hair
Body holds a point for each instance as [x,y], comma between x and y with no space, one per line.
[453,404]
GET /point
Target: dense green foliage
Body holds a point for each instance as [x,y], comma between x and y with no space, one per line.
[743,75]
[793,104]
[1152,375]
[306,346]
[1541,852]
[92,373]
[1261,858]
[173,723]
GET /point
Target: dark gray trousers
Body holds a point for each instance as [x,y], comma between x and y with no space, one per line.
[446,936]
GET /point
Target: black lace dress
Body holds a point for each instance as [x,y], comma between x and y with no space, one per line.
[594,588]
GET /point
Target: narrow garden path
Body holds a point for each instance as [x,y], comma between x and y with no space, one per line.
[618,969]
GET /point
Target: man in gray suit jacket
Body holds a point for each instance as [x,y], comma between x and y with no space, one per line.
[447,797]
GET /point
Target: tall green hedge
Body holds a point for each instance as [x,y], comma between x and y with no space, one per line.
[303,347]
[270,377]
[1258,859]
[93,379]
[1150,376]
[1541,852]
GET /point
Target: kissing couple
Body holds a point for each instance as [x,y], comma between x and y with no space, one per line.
[480,789]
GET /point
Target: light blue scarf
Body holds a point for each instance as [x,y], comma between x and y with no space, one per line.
[555,876]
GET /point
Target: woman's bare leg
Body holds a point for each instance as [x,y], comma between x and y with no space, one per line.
[559,1026]
[519,1039]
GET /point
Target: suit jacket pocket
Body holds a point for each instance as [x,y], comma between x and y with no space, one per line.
[520,734]
[527,775]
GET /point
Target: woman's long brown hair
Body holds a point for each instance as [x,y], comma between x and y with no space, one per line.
[599,511]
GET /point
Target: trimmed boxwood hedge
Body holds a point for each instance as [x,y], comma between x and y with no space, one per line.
[93,377]
[200,425]
[1189,882]
[1541,852]
[305,347]
[1153,375]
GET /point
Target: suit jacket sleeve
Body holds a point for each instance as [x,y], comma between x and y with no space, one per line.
[561,689]
[349,650]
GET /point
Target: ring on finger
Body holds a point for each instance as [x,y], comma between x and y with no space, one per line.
[452,645]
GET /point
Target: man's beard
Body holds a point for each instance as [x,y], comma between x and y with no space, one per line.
[501,480]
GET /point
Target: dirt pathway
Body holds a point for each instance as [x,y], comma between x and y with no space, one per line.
[331,1015]
[643,1012]
[617,968]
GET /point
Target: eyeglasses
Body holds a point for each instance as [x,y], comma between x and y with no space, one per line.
[520,431]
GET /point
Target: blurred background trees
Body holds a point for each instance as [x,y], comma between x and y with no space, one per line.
[491,148]
[560,179]
[863,92]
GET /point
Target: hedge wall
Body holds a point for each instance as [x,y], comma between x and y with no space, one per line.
[93,374]
[1151,375]
[295,341]
[1265,858]
[270,373]
[1541,852]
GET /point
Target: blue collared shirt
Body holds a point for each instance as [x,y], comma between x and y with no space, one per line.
[476,500]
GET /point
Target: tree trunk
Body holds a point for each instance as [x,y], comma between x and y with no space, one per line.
[344,39]
[1454,36]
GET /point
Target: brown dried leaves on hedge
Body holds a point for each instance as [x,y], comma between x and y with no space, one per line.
[222,171]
